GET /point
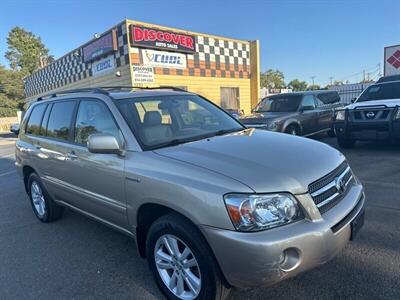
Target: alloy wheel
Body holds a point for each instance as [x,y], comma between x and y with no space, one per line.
[177,267]
[38,199]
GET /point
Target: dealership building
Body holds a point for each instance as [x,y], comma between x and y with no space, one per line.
[132,53]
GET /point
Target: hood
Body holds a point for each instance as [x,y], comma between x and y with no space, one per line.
[262,118]
[388,103]
[264,161]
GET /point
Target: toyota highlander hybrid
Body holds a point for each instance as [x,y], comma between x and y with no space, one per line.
[211,204]
[375,115]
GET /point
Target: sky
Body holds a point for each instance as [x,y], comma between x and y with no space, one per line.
[301,38]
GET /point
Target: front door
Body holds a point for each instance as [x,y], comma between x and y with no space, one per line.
[97,178]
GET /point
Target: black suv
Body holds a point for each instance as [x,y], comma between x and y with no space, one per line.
[299,113]
[375,115]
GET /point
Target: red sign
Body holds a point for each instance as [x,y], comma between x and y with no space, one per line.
[394,60]
[160,39]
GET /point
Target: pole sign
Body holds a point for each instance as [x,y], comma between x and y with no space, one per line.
[101,46]
[148,37]
[163,59]
[143,74]
[103,66]
[392,60]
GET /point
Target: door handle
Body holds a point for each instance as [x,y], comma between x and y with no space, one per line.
[71,156]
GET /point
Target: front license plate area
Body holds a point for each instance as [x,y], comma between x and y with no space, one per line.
[356,224]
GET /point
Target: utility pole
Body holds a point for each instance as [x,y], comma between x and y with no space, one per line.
[330,79]
[312,78]
[363,76]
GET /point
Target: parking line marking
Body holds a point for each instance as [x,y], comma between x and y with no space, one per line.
[8,155]
[7,173]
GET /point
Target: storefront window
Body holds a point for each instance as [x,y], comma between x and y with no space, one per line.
[230,98]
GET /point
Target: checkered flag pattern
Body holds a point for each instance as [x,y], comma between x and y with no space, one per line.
[213,58]
[71,68]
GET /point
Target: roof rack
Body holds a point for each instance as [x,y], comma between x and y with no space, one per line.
[144,88]
[74,91]
[105,90]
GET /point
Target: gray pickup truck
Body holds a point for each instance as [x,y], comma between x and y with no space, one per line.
[300,113]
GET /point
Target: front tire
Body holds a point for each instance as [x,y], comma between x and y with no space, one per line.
[346,143]
[293,130]
[43,206]
[182,262]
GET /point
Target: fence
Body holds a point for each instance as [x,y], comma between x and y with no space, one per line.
[347,92]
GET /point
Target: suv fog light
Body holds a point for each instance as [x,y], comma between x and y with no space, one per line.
[290,259]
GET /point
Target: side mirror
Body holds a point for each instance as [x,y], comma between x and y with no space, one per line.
[353,99]
[103,143]
[305,108]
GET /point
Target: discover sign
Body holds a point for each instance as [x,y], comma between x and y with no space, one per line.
[163,59]
[161,39]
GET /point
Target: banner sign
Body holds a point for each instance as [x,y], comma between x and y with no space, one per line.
[100,47]
[103,66]
[142,74]
[163,59]
[161,39]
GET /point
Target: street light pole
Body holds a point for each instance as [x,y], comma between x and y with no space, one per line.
[312,78]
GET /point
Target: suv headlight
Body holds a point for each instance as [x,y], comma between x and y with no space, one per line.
[340,115]
[397,114]
[259,212]
[272,125]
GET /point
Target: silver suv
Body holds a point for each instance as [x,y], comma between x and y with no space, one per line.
[211,204]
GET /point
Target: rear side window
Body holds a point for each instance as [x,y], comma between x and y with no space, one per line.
[93,117]
[35,119]
[59,125]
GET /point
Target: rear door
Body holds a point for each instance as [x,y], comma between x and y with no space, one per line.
[325,111]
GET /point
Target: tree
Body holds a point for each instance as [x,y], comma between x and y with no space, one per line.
[313,87]
[26,52]
[297,85]
[11,92]
[272,79]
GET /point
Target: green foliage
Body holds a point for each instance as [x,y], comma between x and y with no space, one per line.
[297,85]
[12,92]
[313,87]
[272,79]
[26,52]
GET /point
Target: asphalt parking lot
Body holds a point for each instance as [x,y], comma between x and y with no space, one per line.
[77,258]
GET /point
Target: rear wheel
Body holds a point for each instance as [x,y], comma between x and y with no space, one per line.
[43,206]
[293,130]
[182,262]
[346,143]
[331,132]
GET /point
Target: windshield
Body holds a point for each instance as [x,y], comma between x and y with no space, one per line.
[163,121]
[380,92]
[279,104]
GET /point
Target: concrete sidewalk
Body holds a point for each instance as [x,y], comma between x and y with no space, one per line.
[7,138]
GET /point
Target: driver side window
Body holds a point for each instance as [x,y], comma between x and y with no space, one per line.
[93,117]
[308,101]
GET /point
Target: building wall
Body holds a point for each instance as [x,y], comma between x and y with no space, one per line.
[218,62]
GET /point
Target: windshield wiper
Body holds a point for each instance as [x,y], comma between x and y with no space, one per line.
[226,131]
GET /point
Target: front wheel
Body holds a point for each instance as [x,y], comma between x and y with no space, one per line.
[346,143]
[182,262]
[293,130]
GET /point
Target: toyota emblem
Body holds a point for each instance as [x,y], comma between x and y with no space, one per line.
[340,185]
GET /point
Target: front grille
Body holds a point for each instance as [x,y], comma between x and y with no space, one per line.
[373,114]
[330,189]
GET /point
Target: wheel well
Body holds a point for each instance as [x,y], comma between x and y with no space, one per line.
[27,170]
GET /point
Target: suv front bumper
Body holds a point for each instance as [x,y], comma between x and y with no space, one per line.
[257,259]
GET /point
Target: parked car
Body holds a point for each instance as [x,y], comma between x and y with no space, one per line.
[14,128]
[211,204]
[299,113]
[375,115]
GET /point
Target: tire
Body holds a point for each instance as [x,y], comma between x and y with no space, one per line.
[204,266]
[45,209]
[293,130]
[346,143]
[331,133]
